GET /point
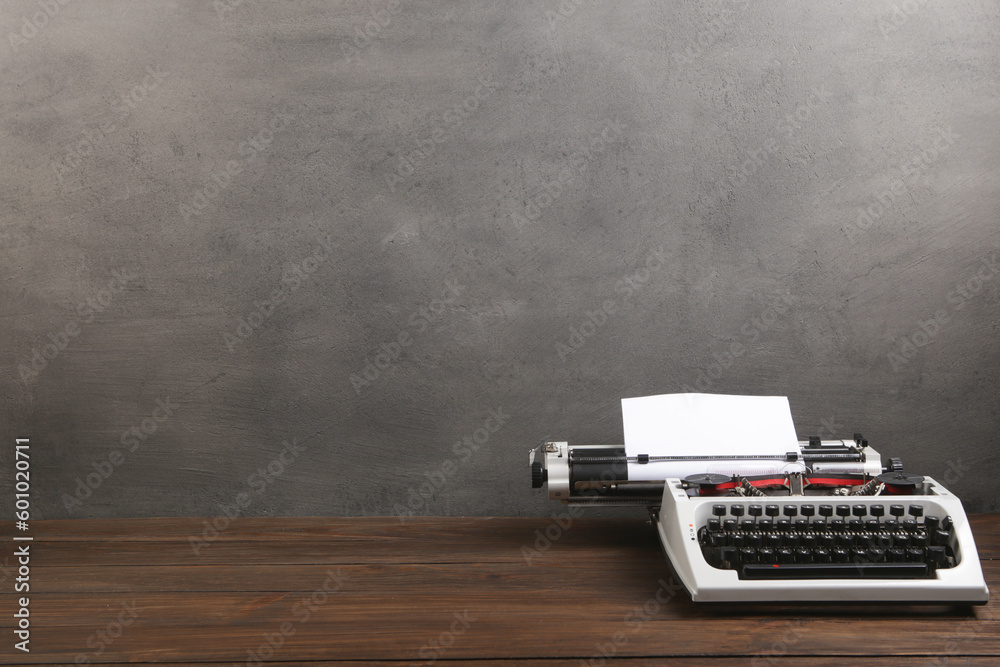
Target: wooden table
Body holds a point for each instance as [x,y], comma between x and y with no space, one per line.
[462,591]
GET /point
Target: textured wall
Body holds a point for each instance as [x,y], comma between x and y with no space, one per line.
[229,227]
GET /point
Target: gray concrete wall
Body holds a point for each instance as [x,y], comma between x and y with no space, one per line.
[216,219]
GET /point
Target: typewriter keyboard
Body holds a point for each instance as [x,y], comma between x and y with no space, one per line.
[827,541]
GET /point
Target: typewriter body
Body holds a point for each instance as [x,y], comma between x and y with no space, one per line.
[835,523]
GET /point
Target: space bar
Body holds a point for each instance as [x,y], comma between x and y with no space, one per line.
[835,571]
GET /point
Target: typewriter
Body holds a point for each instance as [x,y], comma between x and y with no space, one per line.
[834,523]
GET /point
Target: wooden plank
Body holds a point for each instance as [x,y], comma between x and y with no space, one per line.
[785,660]
[495,634]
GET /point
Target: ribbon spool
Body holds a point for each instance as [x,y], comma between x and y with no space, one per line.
[708,483]
[900,483]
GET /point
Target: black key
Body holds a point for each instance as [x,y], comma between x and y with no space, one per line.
[909,525]
[937,556]
[748,525]
[826,510]
[931,523]
[729,525]
[809,540]
[772,540]
[771,510]
[920,539]
[876,555]
[792,539]
[803,555]
[755,539]
[791,511]
[891,525]
[754,510]
[729,556]
[807,510]
[717,539]
[947,523]
[785,555]
[837,525]
[714,525]
[916,511]
[855,525]
[872,525]
[897,510]
[802,525]
[859,510]
[718,510]
[821,555]
[765,525]
[819,525]
[840,555]
[739,540]
[895,555]
[784,525]
[827,540]
[859,554]
[836,571]
[877,510]
[884,540]
[866,539]
[940,538]
[766,555]
[901,540]
[843,510]
[748,555]
[736,510]
[915,555]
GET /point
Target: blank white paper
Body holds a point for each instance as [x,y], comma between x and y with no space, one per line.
[708,425]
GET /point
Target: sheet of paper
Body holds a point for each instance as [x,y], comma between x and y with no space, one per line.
[708,425]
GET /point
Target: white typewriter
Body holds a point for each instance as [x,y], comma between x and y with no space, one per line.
[823,520]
